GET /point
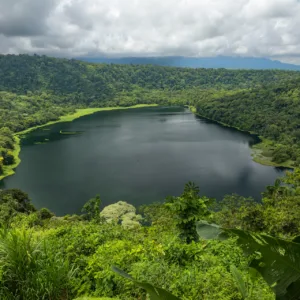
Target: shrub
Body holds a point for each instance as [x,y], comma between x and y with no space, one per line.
[30,269]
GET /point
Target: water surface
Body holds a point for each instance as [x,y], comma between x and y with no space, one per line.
[136,155]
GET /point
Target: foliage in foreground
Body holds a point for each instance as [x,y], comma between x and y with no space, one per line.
[31,269]
[277,260]
[71,256]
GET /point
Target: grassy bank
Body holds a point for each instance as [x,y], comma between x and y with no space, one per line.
[80,113]
[10,170]
[261,152]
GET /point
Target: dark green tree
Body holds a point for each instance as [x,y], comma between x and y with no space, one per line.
[187,209]
[91,209]
[45,213]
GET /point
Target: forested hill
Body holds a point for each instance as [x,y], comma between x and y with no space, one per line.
[273,112]
[22,74]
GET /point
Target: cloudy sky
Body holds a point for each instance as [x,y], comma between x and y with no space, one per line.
[261,28]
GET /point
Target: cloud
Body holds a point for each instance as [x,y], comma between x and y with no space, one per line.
[24,17]
[260,28]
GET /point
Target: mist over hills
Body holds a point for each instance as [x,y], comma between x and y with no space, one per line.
[198,62]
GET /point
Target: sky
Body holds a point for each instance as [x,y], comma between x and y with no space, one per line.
[73,28]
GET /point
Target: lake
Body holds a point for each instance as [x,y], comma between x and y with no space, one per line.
[136,155]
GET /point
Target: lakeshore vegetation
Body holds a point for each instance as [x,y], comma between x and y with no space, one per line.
[169,245]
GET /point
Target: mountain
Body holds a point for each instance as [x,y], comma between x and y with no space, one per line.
[198,62]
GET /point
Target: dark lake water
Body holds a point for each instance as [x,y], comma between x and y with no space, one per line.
[136,155]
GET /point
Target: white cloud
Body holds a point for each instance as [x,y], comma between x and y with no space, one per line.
[267,28]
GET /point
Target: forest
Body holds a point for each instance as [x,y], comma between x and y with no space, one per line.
[273,112]
[190,246]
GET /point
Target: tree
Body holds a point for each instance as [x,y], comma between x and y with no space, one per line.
[91,209]
[1,165]
[187,209]
[12,202]
[45,213]
[18,199]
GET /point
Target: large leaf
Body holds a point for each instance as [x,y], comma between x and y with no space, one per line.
[155,293]
[239,281]
[278,260]
[293,292]
[208,231]
[297,240]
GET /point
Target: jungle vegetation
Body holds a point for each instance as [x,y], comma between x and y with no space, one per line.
[163,245]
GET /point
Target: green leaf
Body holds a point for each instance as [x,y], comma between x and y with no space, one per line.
[155,293]
[293,292]
[239,281]
[208,231]
[296,239]
[278,260]
[253,274]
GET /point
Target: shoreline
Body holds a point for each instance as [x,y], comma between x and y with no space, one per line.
[9,170]
[80,112]
[257,153]
[258,149]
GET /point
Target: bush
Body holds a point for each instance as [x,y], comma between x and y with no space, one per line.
[281,154]
[45,213]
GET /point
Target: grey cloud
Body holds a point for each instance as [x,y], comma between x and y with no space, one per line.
[24,17]
[152,27]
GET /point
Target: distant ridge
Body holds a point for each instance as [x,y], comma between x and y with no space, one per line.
[199,62]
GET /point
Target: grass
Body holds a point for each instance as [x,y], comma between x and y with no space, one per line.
[70,132]
[262,154]
[81,112]
[10,170]
[31,268]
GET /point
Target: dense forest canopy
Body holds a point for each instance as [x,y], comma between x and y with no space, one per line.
[21,74]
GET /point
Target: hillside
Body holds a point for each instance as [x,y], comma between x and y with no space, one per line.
[22,74]
[272,112]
